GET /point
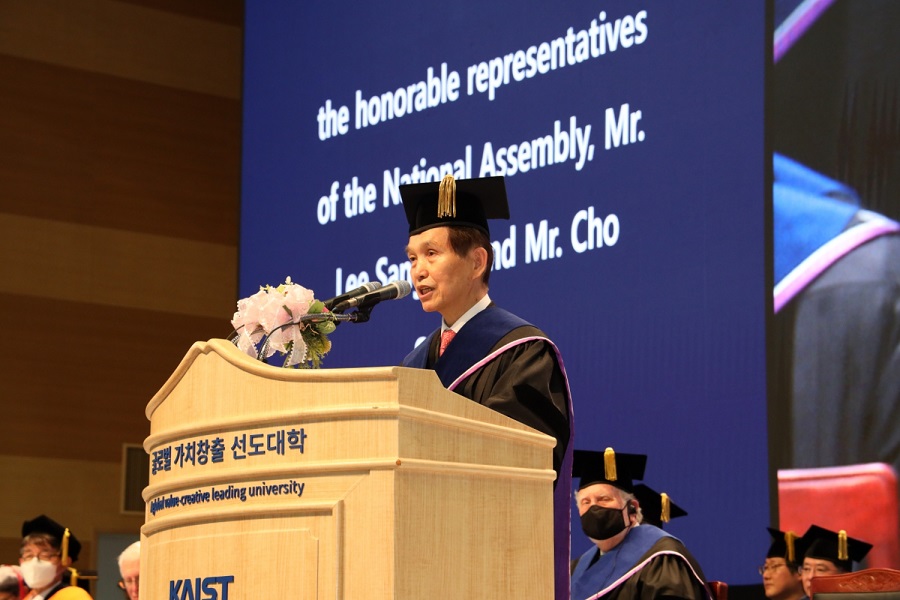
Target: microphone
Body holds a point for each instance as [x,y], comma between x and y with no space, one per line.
[363,289]
[393,290]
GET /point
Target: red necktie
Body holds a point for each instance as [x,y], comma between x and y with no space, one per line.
[446,338]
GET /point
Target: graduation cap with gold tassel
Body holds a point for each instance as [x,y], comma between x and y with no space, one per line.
[454,202]
[73,574]
[69,546]
[657,507]
[76,578]
[447,197]
[65,544]
[68,543]
[609,465]
[615,468]
[835,546]
[786,545]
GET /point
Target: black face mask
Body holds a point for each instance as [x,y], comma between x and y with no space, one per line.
[601,523]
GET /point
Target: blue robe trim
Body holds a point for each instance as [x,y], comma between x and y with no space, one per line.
[618,565]
[613,564]
[809,210]
[812,217]
[480,334]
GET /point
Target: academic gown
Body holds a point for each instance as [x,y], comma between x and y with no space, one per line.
[505,363]
[648,564]
[64,591]
[837,334]
[841,338]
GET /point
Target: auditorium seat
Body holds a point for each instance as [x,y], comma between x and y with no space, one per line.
[868,584]
[860,499]
[719,590]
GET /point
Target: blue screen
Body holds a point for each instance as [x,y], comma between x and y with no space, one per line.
[631,137]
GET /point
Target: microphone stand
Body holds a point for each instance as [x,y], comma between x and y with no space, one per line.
[359,316]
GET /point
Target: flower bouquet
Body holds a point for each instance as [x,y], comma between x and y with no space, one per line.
[278,317]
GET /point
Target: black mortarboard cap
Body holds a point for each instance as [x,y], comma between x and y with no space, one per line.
[44,524]
[656,507]
[458,202]
[835,546]
[614,468]
[787,545]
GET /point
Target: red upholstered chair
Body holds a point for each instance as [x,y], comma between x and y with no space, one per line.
[719,590]
[858,582]
[860,499]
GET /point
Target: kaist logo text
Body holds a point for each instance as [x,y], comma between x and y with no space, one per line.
[200,589]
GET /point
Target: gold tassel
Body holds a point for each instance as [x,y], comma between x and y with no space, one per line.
[666,508]
[65,545]
[789,537]
[73,579]
[609,464]
[842,545]
[447,197]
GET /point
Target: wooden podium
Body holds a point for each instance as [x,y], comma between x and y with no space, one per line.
[353,484]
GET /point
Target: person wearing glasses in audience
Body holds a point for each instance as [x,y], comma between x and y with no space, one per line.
[48,550]
[781,571]
[130,570]
[829,553]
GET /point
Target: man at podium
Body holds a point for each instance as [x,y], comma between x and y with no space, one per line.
[481,351]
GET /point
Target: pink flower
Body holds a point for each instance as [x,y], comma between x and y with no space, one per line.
[246,321]
[247,341]
[291,337]
[297,300]
[271,312]
[248,310]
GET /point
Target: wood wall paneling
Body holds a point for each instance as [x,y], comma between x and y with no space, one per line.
[87,148]
[112,267]
[227,12]
[126,40]
[84,374]
[79,494]
[119,208]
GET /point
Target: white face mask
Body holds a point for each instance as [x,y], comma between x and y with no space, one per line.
[38,573]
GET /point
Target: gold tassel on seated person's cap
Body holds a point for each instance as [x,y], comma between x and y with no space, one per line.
[73,579]
[447,197]
[789,537]
[842,545]
[65,545]
[609,464]
[665,510]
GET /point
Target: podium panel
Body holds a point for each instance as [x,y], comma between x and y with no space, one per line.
[339,484]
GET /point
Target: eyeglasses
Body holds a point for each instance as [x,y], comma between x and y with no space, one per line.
[762,570]
[818,570]
[130,582]
[46,555]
